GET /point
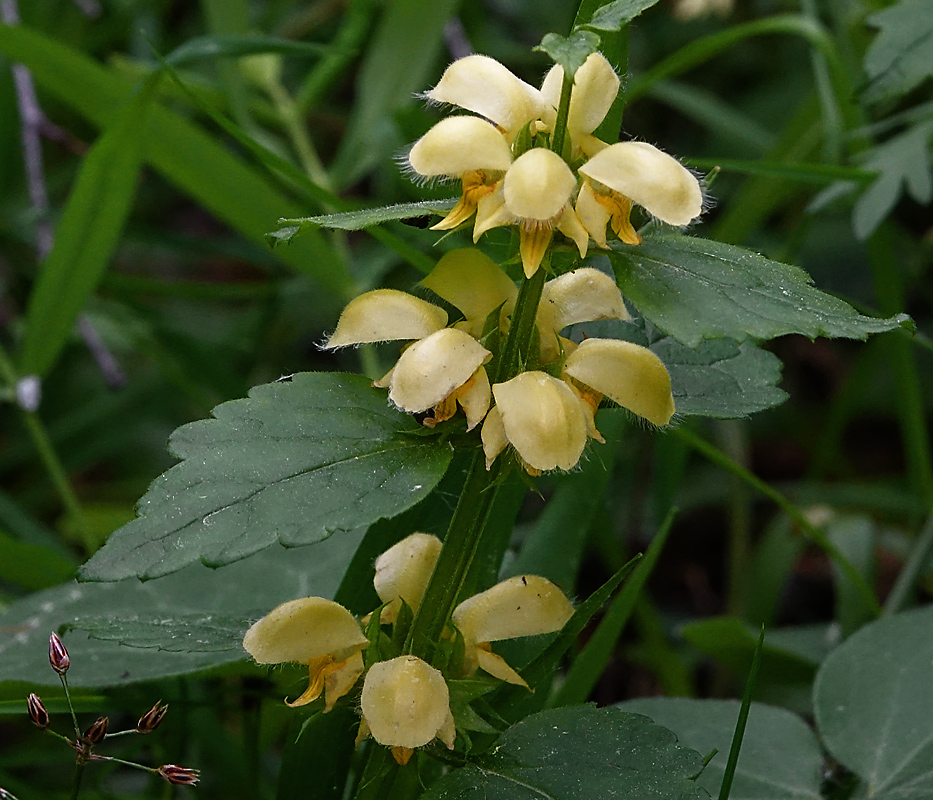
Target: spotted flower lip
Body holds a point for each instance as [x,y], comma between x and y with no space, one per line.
[525,605]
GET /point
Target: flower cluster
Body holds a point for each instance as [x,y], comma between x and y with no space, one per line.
[546,414]
[404,701]
[510,178]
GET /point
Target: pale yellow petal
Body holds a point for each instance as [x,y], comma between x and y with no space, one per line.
[448,732]
[302,630]
[405,702]
[432,368]
[498,667]
[491,212]
[385,315]
[533,241]
[460,144]
[493,436]
[652,179]
[543,420]
[593,214]
[538,185]
[525,605]
[595,86]
[471,281]
[403,572]
[626,373]
[341,679]
[582,295]
[475,398]
[569,224]
[482,85]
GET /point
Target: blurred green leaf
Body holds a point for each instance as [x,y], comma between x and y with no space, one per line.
[695,289]
[707,725]
[294,463]
[856,539]
[579,752]
[176,633]
[873,705]
[206,48]
[86,236]
[244,590]
[32,566]
[569,51]
[901,56]
[612,16]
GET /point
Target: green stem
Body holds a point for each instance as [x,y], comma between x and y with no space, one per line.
[563,111]
[71,708]
[817,536]
[76,783]
[515,352]
[298,135]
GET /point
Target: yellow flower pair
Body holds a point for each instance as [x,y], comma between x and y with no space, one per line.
[404,702]
[537,189]
[546,419]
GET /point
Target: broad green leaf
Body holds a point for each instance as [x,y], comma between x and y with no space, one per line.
[719,378]
[569,51]
[87,235]
[612,16]
[780,757]
[184,154]
[575,753]
[903,162]
[873,705]
[695,289]
[295,462]
[207,48]
[194,632]
[356,220]
[31,566]
[270,577]
[901,56]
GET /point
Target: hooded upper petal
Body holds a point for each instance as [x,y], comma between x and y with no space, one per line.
[595,87]
[654,180]
[542,419]
[457,145]
[626,373]
[432,368]
[538,185]
[385,315]
[482,85]
[403,572]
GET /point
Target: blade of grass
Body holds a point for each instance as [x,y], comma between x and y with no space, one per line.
[789,170]
[587,668]
[913,569]
[207,48]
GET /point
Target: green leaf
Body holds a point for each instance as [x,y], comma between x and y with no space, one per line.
[195,632]
[569,51]
[87,235]
[719,378]
[695,289]
[207,48]
[612,16]
[707,725]
[903,161]
[873,705]
[356,220]
[293,463]
[272,577]
[856,538]
[575,753]
[32,566]
[183,152]
[901,56]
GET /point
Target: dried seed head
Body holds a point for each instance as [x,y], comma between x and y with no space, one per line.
[37,712]
[97,731]
[151,720]
[58,655]
[180,776]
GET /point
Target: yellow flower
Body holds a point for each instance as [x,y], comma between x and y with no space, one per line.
[316,632]
[406,704]
[526,605]
[403,572]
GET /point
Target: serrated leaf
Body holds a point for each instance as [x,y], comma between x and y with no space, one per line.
[719,378]
[206,48]
[570,51]
[901,56]
[356,220]
[903,161]
[578,752]
[612,16]
[873,705]
[695,289]
[292,463]
[272,577]
[707,725]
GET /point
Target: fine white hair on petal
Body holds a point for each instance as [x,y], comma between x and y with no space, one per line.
[460,144]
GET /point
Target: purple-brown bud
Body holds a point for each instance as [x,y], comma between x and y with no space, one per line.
[151,720]
[181,776]
[97,731]
[37,713]
[58,655]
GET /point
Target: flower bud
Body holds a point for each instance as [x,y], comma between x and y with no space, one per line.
[97,731]
[180,776]
[58,655]
[37,712]
[151,720]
